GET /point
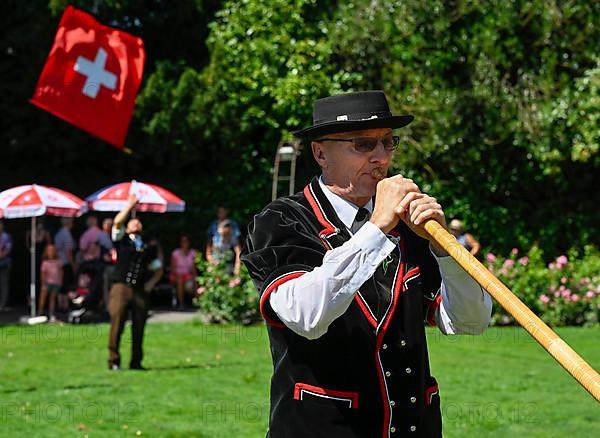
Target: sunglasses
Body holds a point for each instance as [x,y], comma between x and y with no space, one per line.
[367,144]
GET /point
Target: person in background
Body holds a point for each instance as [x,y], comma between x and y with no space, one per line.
[183,269]
[5,262]
[108,257]
[51,278]
[137,271]
[225,248]
[65,245]
[90,260]
[89,239]
[222,215]
[465,239]
[104,237]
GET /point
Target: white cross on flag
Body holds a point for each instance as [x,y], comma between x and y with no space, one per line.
[92,76]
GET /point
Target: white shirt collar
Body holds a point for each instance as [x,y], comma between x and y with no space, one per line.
[345,210]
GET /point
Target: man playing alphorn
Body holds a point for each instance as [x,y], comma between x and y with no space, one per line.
[347,277]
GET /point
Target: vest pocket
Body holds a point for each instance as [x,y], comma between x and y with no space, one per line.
[431,425]
[432,392]
[412,274]
[305,392]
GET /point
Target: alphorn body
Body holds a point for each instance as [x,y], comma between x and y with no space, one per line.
[552,343]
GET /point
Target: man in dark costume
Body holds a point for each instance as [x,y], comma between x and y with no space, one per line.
[136,272]
[348,277]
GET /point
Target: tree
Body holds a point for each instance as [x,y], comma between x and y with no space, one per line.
[505,96]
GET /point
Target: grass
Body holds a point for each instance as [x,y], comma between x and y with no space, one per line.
[207,381]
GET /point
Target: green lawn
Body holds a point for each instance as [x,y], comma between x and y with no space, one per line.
[208,381]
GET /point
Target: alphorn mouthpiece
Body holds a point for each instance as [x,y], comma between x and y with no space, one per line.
[377,173]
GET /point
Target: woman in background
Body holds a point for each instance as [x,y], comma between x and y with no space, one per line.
[183,269]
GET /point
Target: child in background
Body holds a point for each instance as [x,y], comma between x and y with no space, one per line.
[183,269]
[51,279]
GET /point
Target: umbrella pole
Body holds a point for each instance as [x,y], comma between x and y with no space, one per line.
[32,251]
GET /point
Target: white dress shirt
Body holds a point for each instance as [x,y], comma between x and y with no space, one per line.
[308,304]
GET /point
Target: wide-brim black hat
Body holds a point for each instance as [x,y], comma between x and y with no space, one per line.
[352,112]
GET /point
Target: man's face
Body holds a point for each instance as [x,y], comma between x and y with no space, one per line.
[107,225]
[222,213]
[92,221]
[184,243]
[348,169]
[134,226]
[225,231]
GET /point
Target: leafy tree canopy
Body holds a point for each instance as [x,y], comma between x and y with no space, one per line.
[505,95]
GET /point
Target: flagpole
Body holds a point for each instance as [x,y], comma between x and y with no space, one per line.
[132,191]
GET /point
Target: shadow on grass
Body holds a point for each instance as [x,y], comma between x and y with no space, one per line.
[205,366]
[12,391]
[93,385]
[68,387]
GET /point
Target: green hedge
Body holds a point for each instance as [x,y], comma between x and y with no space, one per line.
[563,292]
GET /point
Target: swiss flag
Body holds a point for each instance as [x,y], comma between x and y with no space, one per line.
[92,76]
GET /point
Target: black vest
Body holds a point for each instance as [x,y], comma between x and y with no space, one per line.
[368,375]
[132,263]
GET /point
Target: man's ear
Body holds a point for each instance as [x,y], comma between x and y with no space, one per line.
[319,154]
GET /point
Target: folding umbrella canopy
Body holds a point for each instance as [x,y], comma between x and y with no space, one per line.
[150,198]
[35,200]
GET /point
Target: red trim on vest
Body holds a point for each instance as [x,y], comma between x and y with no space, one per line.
[270,288]
[429,393]
[365,310]
[414,272]
[328,227]
[350,396]
[379,341]
[432,308]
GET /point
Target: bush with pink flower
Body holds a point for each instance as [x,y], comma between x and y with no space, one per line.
[565,291]
[224,298]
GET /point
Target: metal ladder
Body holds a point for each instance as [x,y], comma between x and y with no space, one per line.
[287,152]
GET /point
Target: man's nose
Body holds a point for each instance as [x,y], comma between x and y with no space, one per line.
[379,154]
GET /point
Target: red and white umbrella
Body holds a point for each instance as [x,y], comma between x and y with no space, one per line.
[35,200]
[150,197]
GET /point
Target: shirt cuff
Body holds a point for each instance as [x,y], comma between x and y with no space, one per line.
[448,266]
[117,233]
[371,240]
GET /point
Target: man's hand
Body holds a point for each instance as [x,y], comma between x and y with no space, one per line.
[121,216]
[399,198]
[390,192]
[416,209]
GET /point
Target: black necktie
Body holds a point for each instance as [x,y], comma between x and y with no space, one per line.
[362,216]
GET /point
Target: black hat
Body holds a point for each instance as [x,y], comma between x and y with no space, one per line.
[352,112]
